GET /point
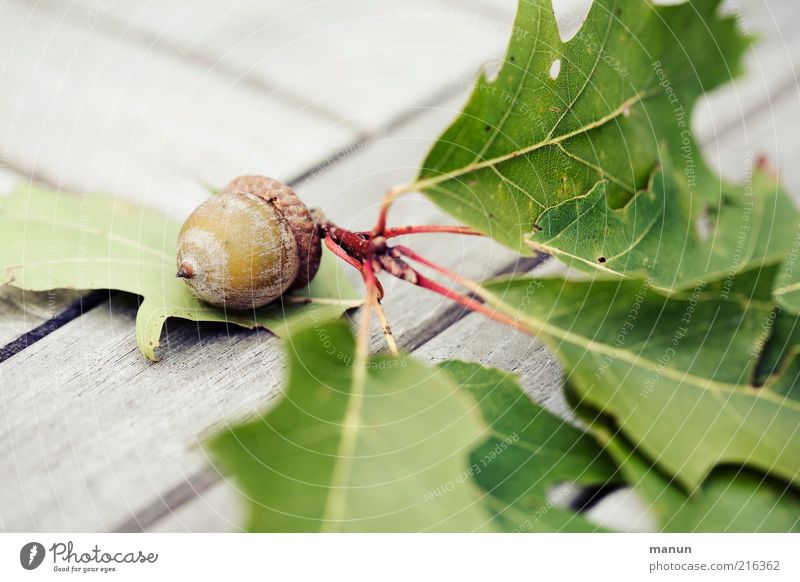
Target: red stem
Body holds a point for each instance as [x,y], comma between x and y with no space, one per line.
[370,280]
[400,231]
[356,249]
[342,254]
[380,226]
[467,302]
[354,244]
[431,265]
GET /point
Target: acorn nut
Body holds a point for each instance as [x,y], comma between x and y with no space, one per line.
[246,246]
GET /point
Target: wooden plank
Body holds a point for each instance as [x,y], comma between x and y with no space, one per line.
[362,62]
[217,509]
[23,311]
[771,113]
[112,144]
[91,113]
[770,71]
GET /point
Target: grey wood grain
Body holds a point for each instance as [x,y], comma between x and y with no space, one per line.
[360,62]
[23,311]
[89,112]
[215,509]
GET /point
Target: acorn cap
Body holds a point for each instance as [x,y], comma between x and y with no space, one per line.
[300,220]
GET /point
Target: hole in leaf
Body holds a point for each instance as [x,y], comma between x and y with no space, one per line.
[704,224]
[563,494]
[587,496]
[491,70]
[555,69]
[601,259]
[570,16]
[623,510]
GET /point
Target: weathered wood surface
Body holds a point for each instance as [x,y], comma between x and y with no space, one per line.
[87,112]
[32,309]
[361,62]
[150,100]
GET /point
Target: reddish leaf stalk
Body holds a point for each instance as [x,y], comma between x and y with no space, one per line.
[370,253]
[402,230]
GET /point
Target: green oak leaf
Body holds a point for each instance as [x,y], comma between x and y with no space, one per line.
[787,285]
[738,501]
[779,368]
[529,451]
[407,449]
[567,139]
[51,239]
[676,373]
[729,499]
[344,451]
[639,240]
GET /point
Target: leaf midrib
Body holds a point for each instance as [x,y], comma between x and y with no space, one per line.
[336,502]
[542,328]
[101,233]
[421,185]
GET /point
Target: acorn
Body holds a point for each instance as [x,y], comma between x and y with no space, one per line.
[246,246]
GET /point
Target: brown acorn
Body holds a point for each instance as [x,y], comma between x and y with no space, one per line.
[246,246]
